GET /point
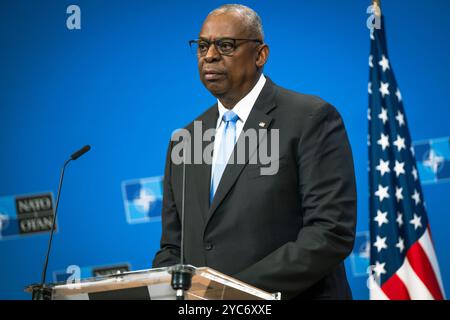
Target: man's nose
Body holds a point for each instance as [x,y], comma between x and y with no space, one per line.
[212,53]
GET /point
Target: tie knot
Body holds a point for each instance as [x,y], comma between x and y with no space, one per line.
[230,116]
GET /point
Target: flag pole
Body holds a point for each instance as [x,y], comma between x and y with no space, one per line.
[377,7]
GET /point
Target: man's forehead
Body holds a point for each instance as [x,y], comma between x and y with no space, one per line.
[225,25]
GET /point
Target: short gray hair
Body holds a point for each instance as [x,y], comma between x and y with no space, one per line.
[251,18]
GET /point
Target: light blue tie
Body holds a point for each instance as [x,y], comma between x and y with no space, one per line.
[225,149]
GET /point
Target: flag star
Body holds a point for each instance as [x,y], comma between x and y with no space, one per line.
[416,197]
[416,222]
[399,193]
[371,61]
[382,192]
[433,162]
[399,219]
[379,268]
[400,143]
[400,118]
[383,115]
[384,141]
[384,62]
[400,244]
[414,173]
[384,89]
[369,117]
[370,88]
[399,95]
[368,140]
[383,167]
[380,244]
[412,151]
[399,168]
[381,218]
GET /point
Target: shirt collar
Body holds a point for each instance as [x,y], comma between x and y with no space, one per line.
[245,105]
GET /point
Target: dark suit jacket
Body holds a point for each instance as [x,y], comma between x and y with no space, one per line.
[288,232]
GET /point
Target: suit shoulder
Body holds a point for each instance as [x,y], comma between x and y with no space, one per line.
[300,103]
[208,114]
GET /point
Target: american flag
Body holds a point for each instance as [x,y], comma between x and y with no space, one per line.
[402,257]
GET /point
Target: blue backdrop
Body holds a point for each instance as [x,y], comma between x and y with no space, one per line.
[127,79]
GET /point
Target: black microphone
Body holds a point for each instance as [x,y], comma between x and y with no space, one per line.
[41,292]
[80,152]
[182,274]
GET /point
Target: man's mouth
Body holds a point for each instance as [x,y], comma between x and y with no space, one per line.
[212,75]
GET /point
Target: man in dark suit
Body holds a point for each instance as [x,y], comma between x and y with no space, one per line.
[287,231]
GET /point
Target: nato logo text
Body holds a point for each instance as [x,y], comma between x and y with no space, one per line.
[25,215]
[74,273]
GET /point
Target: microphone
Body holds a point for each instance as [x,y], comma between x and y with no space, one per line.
[182,274]
[80,152]
[41,292]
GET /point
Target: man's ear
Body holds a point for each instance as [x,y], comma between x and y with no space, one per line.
[263,55]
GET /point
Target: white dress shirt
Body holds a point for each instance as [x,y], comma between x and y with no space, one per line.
[242,109]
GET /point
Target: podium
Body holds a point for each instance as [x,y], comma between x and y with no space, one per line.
[155,284]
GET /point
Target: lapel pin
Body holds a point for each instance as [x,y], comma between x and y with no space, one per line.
[262,124]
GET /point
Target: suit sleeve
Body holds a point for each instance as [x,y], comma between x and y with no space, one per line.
[327,190]
[169,253]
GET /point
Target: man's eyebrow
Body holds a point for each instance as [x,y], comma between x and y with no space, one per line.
[216,38]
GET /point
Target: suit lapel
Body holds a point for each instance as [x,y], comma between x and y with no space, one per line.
[202,172]
[258,115]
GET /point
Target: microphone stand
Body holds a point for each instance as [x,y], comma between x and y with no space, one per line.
[182,274]
[42,292]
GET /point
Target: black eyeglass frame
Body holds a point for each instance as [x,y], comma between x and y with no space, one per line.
[217,43]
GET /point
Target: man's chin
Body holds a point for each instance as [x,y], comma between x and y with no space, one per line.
[217,89]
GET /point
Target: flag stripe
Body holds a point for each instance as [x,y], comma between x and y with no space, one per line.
[375,291]
[417,290]
[427,244]
[422,267]
[395,289]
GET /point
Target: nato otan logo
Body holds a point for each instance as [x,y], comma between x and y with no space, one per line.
[433,160]
[25,215]
[359,258]
[143,199]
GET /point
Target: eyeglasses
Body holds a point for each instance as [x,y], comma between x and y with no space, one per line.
[225,46]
